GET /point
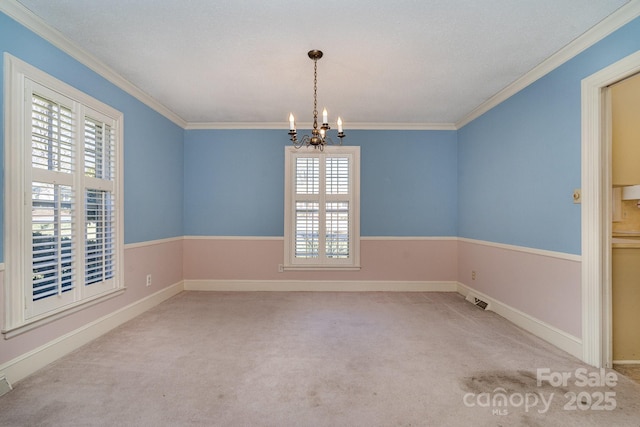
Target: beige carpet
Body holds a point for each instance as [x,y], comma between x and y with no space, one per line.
[318,359]
[631,371]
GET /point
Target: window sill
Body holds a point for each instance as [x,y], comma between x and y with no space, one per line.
[45,319]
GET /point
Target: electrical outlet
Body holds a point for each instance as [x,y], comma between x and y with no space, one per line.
[148,280]
[473,275]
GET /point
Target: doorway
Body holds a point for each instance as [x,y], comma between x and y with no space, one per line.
[596,212]
[625,251]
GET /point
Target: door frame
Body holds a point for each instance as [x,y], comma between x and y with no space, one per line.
[596,209]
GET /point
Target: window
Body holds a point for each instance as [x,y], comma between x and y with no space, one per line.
[322,208]
[63,197]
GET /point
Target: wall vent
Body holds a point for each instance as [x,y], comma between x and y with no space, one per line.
[477,301]
[5,387]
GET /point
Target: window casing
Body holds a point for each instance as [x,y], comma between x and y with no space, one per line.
[322,205]
[63,194]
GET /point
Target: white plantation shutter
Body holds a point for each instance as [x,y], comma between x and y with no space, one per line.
[52,146]
[338,181]
[337,230]
[73,221]
[99,215]
[307,217]
[307,230]
[53,244]
[65,246]
[99,237]
[98,149]
[322,208]
[53,202]
[307,175]
[337,208]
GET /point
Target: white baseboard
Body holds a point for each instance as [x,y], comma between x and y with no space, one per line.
[626,362]
[551,334]
[28,363]
[317,286]
[5,386]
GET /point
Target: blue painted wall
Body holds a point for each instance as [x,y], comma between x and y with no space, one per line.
[153,145]
[234,182]
[506,177]
[519,163]
[408,182]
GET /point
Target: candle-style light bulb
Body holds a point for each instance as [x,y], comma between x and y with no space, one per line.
[324,116]
[292,122]
[339,125]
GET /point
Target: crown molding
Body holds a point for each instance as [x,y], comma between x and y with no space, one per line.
[350,126]
[396,126]
[616,20]
[25,17]
[235,125]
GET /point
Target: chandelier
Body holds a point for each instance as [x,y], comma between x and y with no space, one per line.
[319,137]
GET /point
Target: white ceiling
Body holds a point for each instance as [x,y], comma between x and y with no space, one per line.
[385,61]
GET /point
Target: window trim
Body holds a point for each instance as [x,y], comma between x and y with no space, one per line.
[18,76]
[353,262]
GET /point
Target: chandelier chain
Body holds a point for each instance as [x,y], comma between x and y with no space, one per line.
[315,94]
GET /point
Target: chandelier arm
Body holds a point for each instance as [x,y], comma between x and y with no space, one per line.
[304,141]
[329,141]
